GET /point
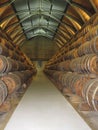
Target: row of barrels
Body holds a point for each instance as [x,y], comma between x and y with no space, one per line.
[82,85]
[88,26]
[90,47]
[75,66]
[7,50]
[8,42]
[15,68]
[93,32]
[86,48]
[85,64]
[59,55]
[89,32]
[12,82]
[8,65]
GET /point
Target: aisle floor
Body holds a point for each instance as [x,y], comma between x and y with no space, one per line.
[43,107]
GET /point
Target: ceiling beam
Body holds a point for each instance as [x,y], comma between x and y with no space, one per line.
[17,23]
[7,3]
[93,5]
[44,14]
[40,27]
[81,7]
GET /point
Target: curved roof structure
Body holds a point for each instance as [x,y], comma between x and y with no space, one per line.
[58,20]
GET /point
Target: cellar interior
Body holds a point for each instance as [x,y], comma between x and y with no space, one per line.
[48,64]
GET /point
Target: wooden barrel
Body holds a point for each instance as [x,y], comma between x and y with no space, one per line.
[94,45]
[86,29]
[6,43]
[15,80]
[56,75]
[14,51]
[64,66]
[85,64]
[49,72]
[90,93]
[3,92]
[7,64]
[87,36]
[24,75]
[52,67]
[3,64]
[77,84]
[85,49]
[12,81]
[94,31]
[74,82]
[64,79]
[70,54]
[21,66]
[13,55]
[3,50]
[76,43]
[12,65]
[91,34]
[21,58]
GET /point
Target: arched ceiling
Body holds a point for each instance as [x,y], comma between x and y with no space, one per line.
[58,20]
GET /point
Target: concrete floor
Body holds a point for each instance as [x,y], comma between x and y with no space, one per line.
[43,107]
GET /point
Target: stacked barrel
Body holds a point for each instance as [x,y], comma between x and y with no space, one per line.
[74,68]
[15,68]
